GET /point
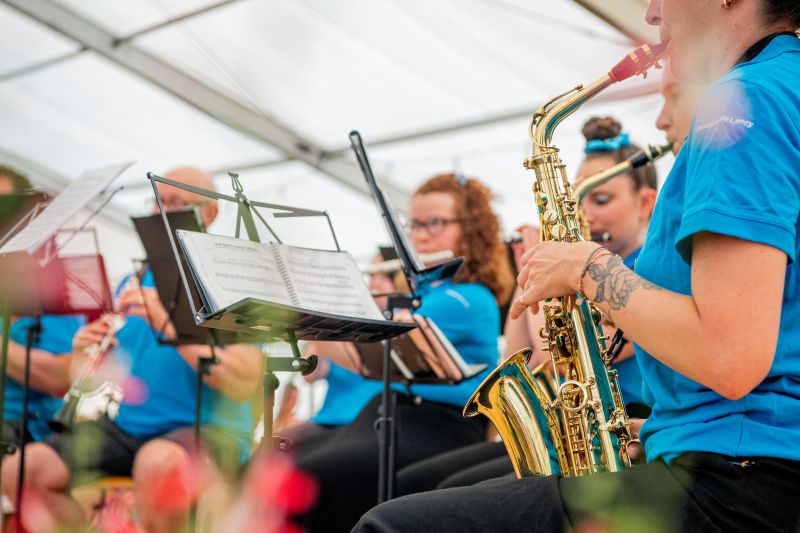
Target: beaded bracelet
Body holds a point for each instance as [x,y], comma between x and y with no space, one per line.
[594,256]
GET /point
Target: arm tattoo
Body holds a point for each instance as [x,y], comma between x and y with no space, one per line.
[616,283]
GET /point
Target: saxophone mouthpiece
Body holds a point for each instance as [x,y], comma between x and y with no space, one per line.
[650,154]
[638,62]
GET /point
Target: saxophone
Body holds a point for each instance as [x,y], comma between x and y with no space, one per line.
[572,421]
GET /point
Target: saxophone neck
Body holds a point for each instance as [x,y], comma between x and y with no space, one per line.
[552,113]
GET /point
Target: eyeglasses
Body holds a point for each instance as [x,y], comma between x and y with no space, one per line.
[432,226]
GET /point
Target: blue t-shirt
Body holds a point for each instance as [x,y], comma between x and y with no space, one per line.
[56,338]
[737,175]
[348,393]
[168,386]
[469,317]
[629,375]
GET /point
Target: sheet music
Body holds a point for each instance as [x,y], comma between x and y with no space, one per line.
[230,269]
[328,281]
[66,205]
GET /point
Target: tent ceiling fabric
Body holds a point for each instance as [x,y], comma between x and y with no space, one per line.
[625,15]
[243,83]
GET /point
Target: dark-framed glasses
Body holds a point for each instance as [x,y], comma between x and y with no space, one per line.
[431,225]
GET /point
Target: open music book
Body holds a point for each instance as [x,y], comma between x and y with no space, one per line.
[423,355]
[228,270]
[69,202]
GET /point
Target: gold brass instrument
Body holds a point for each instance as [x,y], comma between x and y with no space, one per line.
[582,427]
[585,184]
[64,419]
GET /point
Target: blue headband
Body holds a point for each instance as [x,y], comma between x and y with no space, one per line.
[607,145]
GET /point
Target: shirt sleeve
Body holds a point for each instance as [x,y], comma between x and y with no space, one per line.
[743,165]
[450,307]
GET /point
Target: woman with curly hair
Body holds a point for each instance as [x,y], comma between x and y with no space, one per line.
[451,213]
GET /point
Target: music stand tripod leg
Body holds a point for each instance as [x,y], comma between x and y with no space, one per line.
[5,448]
[204,365]
[32,334]
[385,429]
[270,384]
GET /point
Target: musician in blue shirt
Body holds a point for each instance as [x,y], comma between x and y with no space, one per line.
[152,436]
[50,373]
[448,212]
[713,308]
[50,357]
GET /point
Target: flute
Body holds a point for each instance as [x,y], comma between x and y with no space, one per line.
[393,265]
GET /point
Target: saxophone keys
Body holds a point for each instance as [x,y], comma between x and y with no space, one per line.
[559,231]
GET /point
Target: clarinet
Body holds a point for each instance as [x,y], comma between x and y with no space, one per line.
[64,419]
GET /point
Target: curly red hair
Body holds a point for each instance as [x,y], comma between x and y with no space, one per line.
[485,257]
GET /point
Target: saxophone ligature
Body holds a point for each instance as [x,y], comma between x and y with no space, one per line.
[570,421]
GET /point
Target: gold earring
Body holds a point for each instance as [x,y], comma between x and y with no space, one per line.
[727,3]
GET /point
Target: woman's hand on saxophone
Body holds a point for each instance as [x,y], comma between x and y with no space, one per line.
[550,269]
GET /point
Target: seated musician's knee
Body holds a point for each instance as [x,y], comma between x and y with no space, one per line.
[163,471]
[44,470]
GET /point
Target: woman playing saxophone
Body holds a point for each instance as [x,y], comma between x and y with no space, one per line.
[721,253]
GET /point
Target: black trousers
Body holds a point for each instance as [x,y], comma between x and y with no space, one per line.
[460,467]
[697,492]
[491,469]
[307,437]
[346,467]
[99,448]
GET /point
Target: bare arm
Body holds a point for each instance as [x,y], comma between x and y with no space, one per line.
[238,372]
[342,353]
[701,335]
[50,373]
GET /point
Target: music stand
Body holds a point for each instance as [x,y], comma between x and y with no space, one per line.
[419,278]
[161,264]
[30,264]
[270,321]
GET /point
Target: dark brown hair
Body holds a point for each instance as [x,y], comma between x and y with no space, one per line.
[603,128]
[485,258]
[775,11]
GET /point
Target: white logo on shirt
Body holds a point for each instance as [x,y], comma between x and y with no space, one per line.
[725,118]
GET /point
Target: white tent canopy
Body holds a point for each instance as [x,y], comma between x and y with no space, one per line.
[271,88]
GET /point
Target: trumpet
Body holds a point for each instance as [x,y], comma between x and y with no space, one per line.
[64,419]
